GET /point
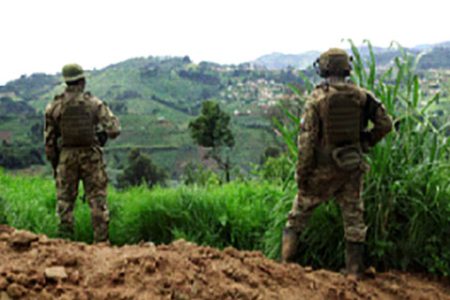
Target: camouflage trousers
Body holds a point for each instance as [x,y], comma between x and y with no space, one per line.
[323,185]
[86,165]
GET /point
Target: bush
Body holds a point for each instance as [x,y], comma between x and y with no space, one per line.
[141,170]
[20,155]
[198,174]
[276,169]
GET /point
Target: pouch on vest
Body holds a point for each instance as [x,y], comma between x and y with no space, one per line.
[347,158]
[77,124]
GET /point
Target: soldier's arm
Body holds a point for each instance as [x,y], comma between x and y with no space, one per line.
[108,121]
[50,134]
[307,141]
[382,122]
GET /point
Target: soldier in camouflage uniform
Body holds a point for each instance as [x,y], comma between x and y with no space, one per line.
[77,124]
[334,135]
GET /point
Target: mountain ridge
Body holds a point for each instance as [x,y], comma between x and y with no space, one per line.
[303,60]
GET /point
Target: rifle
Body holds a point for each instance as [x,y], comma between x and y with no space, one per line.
[55,162]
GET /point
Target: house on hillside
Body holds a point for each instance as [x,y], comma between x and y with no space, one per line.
[238,113]
[163,121]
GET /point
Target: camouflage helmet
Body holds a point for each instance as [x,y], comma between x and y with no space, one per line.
[72,72]
[335,62]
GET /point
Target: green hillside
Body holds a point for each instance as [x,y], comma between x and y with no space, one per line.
[155,98]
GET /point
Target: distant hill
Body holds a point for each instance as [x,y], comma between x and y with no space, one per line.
[437,58]
[423,47]
[383,56]
[280,61]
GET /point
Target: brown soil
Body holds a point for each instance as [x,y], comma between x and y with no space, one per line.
[35,267]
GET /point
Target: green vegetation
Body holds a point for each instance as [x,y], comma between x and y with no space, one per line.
[141,170]
[234,214]
[408,190]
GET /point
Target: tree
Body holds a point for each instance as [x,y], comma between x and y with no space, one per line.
[35,133]
[141,169]
[211,129]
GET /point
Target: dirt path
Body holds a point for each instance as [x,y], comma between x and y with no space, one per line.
[35,267]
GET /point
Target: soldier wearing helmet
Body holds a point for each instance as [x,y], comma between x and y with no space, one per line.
[334,136]
[77,125]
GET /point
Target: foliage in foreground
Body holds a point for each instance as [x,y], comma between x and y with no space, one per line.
[235,214]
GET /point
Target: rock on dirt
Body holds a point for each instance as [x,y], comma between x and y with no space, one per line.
[58,269]
[21,240]
[55,273]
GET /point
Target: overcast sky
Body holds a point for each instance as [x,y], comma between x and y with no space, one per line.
[43,35]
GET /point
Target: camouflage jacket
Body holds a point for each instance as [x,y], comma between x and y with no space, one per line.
[107,122]
[310,137]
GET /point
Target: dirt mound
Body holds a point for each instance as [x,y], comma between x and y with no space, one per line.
[35,267]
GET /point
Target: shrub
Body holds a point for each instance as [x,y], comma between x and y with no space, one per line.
[141,170]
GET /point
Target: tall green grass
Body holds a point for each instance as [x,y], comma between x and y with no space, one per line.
[235,214]
[408,188]
[407,191]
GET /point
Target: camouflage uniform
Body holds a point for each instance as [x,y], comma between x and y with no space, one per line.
[79,163]
[333,136]
[321,180]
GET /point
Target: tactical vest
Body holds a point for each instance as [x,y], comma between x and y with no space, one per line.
[341,116]
[77,122]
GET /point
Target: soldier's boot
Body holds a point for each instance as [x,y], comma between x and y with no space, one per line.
[101,237]
[289,246]
[101,233]
[354,264]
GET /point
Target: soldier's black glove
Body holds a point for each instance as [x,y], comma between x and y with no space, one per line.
[102,138]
